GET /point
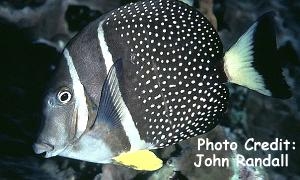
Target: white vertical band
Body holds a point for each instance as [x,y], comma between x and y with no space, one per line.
[108,60]
[127,122]
[79,96]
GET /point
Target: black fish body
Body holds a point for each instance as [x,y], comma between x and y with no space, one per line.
[148,75]
[171,83]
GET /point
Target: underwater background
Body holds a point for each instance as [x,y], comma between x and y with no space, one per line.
[32,34]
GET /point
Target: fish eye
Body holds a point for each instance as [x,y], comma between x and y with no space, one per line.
[64,96]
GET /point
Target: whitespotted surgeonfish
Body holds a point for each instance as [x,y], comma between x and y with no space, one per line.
[148,75]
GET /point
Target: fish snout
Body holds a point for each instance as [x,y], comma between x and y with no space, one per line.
[41,147]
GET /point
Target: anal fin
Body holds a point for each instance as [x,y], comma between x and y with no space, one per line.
[139,160]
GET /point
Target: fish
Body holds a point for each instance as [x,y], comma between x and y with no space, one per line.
[148,75]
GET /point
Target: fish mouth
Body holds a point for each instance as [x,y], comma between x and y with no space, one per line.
[48,149]
[53,153]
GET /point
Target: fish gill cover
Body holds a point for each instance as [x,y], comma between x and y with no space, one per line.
[27,64]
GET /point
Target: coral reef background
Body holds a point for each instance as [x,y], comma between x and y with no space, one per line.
[32,34]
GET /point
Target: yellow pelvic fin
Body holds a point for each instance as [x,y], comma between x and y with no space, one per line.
[139,160]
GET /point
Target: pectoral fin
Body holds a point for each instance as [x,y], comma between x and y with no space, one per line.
[111,107]
[139,160]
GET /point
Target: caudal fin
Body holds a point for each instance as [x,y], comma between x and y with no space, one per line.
[253,62]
